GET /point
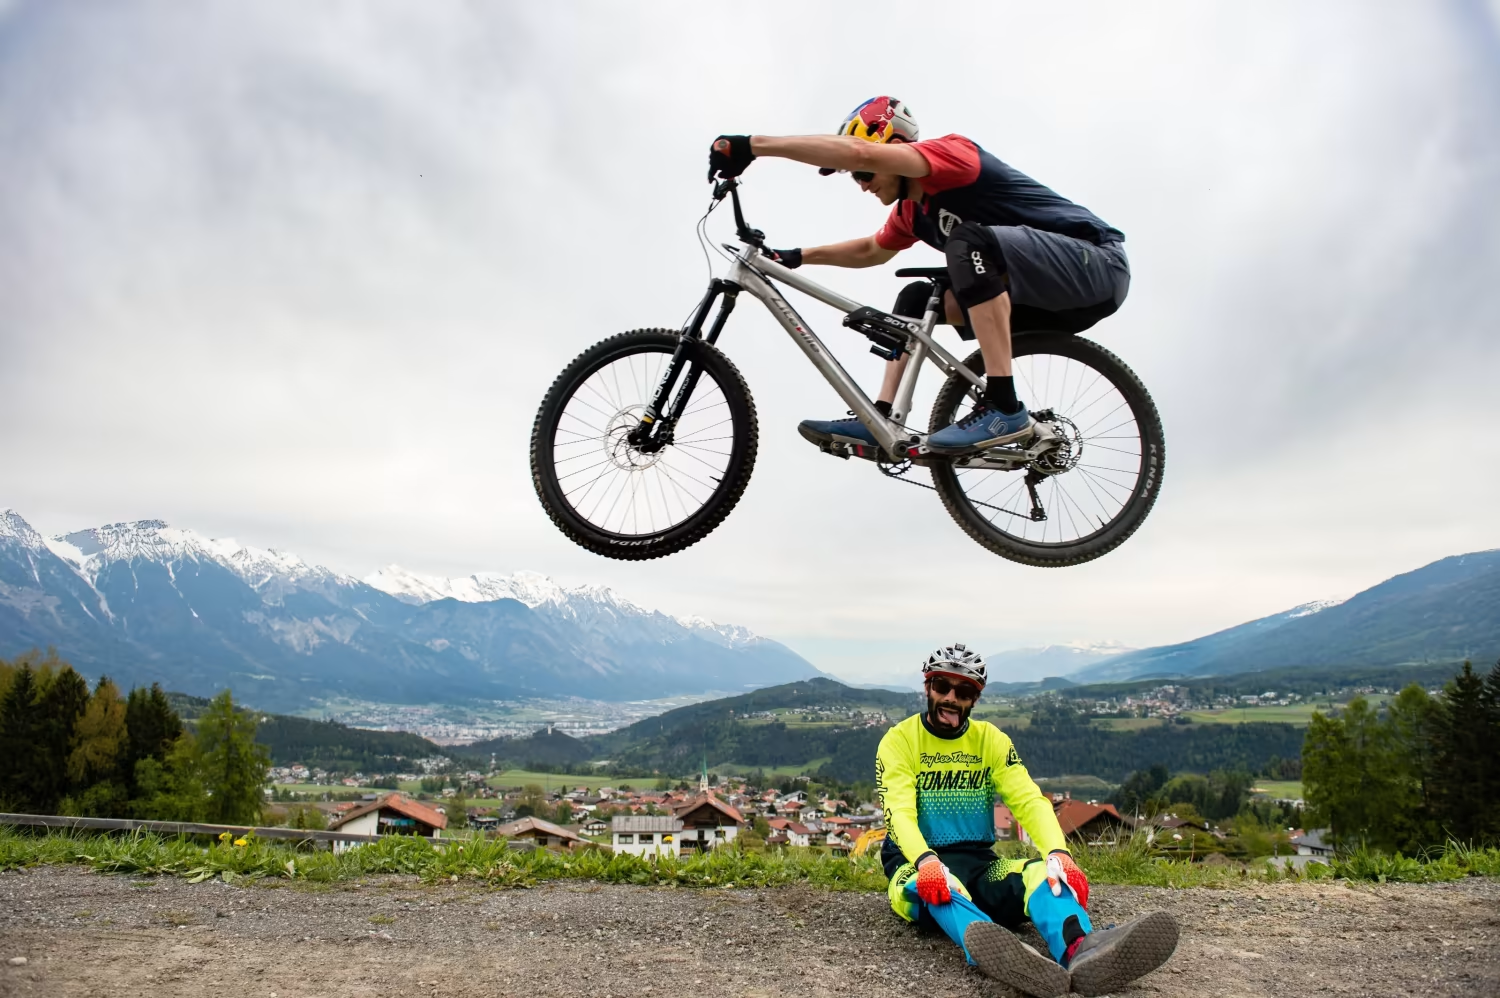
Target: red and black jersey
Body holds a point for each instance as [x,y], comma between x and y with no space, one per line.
[968,184]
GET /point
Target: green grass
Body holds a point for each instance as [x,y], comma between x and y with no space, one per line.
[490,862]
[487,861]
[1279,789]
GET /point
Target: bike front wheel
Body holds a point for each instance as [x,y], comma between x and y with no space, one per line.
[1092,492]
[620,500]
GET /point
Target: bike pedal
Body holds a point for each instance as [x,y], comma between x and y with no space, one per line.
[837,450]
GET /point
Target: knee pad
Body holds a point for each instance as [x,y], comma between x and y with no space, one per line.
[975,264]
[912,301]
[903,903]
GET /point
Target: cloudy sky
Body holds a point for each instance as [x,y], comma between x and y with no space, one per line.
[300,274]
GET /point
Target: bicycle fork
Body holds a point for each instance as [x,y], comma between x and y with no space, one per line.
[655,428]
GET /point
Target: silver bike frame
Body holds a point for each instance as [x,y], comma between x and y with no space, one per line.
[753,272]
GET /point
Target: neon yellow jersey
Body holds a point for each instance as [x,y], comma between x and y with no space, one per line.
[939,791]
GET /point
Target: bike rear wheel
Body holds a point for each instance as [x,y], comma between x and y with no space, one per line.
[1096,496]
[620,500]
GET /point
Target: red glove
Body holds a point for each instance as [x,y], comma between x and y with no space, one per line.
[932,880]
[1060,867]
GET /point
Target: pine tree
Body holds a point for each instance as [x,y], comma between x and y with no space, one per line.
[61,702]
[1490,753]
[1462,772]
[233,765]
[152,727]
[19,724]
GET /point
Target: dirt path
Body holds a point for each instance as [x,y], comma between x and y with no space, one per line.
[88,934]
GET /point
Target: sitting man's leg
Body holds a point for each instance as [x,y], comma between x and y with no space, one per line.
[976,265]
[996,951]
[1098,962]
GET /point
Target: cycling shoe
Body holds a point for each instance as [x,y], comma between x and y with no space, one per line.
[984,427]
[845,437]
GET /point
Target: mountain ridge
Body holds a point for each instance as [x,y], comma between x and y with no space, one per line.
[148,602]
[1445,611]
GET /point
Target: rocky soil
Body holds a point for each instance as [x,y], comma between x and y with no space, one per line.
[81,933]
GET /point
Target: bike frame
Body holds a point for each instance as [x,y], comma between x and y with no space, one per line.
[752,271]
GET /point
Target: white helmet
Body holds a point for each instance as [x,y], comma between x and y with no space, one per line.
[956,660]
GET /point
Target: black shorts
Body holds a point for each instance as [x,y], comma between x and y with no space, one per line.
[1057,281]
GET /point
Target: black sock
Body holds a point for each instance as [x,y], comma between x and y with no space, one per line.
[884,408]
[1000,393]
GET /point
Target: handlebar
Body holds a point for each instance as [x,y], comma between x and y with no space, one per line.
[731,187]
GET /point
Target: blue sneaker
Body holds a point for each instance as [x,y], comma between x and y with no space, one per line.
[834,435]
[984,427]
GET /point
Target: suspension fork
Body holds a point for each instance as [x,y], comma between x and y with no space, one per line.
[655,429]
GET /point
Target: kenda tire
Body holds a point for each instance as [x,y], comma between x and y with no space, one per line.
[1041,554]
[725,494]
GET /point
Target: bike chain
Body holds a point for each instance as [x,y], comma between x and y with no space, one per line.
[897,470]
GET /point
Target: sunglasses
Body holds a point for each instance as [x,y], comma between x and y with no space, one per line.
[862,176]
[963,691]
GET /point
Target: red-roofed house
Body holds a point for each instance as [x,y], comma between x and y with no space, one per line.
[798,835]
[707,822]
[392,814]
[1096,824]
[543,833]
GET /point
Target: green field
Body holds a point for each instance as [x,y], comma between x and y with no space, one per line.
[517,778]
[1299,714]
[1279,789]
[1127,723]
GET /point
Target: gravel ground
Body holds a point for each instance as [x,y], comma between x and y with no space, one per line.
[82,933]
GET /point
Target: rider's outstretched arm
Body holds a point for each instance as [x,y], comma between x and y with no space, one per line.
[862,252]
[844,152]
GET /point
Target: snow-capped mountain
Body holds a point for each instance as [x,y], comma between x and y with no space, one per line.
[582,604]
[146,602]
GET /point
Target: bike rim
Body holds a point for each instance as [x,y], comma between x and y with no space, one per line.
[618,489]
[1084,500]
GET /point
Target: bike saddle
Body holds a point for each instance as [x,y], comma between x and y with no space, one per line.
[938,274]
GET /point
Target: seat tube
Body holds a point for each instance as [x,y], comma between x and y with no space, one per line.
[901,407]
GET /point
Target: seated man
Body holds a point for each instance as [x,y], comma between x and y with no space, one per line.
[937,775]
[1009,242]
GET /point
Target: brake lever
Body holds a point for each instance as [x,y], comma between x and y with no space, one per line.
[723,187]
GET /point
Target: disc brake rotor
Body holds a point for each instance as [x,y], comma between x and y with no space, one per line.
[618,448]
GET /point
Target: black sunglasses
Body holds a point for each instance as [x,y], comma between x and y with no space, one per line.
[862,176]
[964,691]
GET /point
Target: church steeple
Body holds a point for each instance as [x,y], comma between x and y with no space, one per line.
[703,779]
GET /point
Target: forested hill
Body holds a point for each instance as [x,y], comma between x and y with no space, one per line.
[325,744]
[814,694]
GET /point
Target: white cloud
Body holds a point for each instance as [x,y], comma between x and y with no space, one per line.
[302,275]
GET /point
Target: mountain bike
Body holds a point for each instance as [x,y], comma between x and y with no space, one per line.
[646,441]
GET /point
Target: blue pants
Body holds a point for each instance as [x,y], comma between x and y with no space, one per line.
[999,883]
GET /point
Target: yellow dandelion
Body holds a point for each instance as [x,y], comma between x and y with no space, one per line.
[241,842]
[224,836]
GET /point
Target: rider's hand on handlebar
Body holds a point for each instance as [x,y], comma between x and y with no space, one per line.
[789,258]
[728,156]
